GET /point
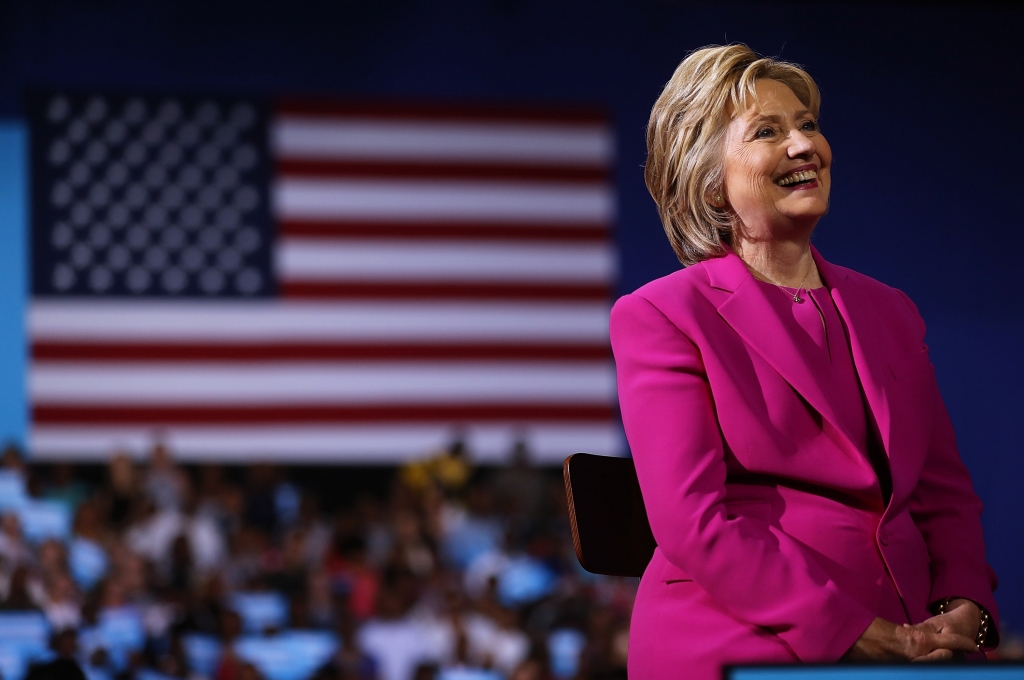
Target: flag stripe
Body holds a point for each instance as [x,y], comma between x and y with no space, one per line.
[321,383]
[306,351]
[442,291]
[504,113]
[47,414]
[288,321]
[442,200]
[494,231]
[548,442]
[353,138]
[443,261]
[301,167]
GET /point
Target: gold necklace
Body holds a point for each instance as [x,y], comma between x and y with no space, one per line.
[795,294]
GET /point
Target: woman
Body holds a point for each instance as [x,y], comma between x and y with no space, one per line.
[798,465]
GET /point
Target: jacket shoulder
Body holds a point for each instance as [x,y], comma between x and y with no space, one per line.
[679,287]
[864,281]
[876,288]
[884,294]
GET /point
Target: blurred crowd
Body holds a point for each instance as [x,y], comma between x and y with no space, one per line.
[155,570]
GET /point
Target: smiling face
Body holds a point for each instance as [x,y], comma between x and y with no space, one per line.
[776,165]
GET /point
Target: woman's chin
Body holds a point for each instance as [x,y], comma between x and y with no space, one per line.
[807,208]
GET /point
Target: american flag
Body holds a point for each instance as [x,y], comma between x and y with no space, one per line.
[249,280]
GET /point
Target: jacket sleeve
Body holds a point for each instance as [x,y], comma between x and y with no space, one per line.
[760,574]
[947,512]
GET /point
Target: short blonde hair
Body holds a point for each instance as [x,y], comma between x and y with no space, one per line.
[685,138]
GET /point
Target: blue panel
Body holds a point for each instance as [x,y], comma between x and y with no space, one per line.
[990,671]
[13,282]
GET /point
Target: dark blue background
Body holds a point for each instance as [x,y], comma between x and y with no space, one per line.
[923,106]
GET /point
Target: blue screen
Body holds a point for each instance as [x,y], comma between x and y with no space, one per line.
[901,672]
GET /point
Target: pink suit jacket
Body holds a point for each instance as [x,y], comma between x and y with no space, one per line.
[773,539]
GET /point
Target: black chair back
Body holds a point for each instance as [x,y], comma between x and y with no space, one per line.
[610,531]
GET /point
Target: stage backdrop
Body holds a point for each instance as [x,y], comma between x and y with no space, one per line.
[921,105]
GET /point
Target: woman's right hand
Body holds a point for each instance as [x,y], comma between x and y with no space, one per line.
[886,641]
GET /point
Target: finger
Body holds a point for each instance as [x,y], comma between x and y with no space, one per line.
[953,641]
[935,655]
[929,626]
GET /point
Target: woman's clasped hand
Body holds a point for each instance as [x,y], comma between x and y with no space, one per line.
[940,638]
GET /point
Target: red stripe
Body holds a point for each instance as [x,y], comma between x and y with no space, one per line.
[174,352]
[447,230]
[450,291]
[473,171]
[288,414]
[443,112]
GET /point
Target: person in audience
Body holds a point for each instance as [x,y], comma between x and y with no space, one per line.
[230,666]
[61,602]
[164,481]
[64,667]
[260,498]
[248,671]
[63,487]
[316,531]
[122,489]
[349,661]
[397,641]
[20,595]
[13,460]
[13,548]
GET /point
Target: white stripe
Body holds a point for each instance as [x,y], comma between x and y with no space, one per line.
[548,443]
[52,383]
[284,321]
[336,138]
[435,200]
[410,260]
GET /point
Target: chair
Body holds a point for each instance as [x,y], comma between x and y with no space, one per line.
[610,531]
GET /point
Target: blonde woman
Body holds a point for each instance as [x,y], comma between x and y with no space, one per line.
[797,462]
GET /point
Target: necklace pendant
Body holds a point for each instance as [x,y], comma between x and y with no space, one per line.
[797,298]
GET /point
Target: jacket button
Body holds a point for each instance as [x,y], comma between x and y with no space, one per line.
[883,537]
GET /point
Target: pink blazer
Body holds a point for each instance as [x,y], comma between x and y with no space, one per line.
[773,540]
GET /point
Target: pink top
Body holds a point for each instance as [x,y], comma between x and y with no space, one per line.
[821,335]
[819,332]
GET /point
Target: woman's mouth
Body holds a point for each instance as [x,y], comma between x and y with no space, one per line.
[797,178]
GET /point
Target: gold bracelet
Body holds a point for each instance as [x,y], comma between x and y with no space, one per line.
[979,639]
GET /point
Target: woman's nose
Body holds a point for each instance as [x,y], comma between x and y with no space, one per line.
[800,145]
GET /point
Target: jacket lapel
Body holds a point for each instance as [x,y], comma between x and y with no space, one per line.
[752,316]
[868,357]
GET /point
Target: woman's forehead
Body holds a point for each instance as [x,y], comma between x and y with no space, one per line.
[769,97]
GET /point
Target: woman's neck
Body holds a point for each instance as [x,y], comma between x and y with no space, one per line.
[786,263]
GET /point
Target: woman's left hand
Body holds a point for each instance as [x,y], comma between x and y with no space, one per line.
[962,617]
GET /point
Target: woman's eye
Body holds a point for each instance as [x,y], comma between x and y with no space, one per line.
[764,133]
[809,125]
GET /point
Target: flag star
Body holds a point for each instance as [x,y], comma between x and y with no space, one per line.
[95,110]
[58,109]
